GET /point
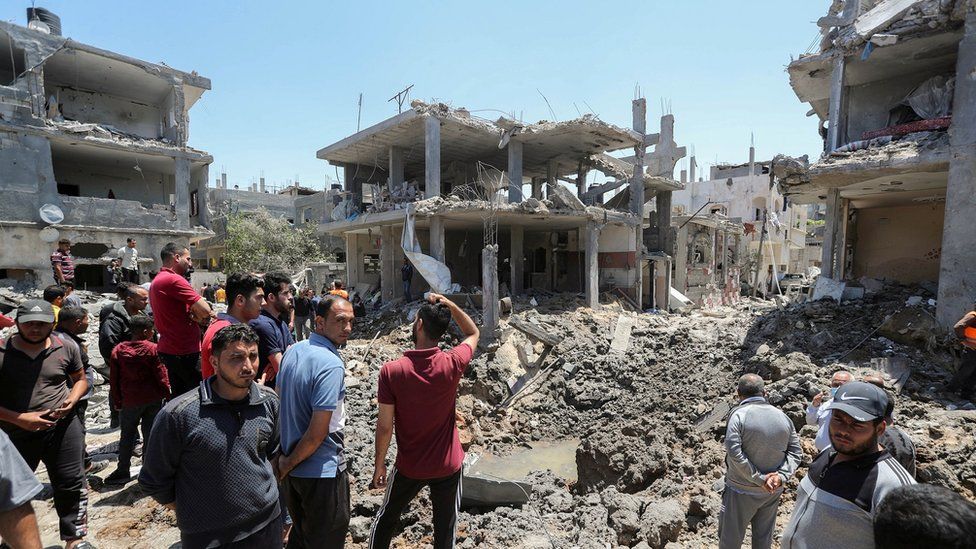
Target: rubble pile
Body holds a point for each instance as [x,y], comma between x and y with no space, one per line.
[644,394]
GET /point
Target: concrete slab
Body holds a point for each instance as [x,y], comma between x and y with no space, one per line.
[828,287]
[621,334]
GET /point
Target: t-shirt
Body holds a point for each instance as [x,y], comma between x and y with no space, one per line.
[220,295]
[171,297]
[34,384]
[18,485]
[275,337]
[312,379]
[71,301]
[422,387]
[223,320]
[129,257]
[66,262]
[341,293]
[303,306]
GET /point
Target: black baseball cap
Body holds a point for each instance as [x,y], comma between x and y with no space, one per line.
[862,401]
[35,310]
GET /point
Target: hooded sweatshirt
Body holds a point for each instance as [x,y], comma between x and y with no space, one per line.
[136,376]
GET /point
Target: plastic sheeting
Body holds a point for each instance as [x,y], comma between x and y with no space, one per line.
[932,98]
[437,274]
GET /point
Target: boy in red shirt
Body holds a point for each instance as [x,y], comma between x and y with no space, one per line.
[139,384]
[417,395]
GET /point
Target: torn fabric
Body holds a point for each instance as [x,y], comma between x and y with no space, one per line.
[437,274]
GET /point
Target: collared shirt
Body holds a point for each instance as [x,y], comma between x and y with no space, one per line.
[66,262]
[275,337]
[129,257]
[34,384]
[171,297]
[312,379]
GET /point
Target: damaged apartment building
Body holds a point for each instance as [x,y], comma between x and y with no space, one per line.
[769,239]
[894,85]
[93,148]
[484,208]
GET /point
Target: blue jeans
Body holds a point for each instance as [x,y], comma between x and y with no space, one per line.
[406,290]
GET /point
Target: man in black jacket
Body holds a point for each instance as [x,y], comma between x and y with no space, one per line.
[113,328]
[208,455]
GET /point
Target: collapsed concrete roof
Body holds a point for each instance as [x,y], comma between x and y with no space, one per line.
[467,138]
[713,220]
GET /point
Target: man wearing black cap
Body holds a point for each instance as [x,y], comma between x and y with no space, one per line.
[37,411]
[840,494]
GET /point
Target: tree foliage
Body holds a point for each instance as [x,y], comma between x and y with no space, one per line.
[258,242]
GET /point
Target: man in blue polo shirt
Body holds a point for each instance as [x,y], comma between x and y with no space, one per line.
[312,465]
[272,325]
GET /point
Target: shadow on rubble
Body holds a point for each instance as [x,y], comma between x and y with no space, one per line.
[123,495]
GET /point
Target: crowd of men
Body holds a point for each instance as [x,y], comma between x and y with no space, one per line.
[242,425]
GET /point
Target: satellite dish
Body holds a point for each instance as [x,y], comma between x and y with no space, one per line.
[49,234]
[51,214]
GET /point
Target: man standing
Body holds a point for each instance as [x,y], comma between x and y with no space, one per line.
[70,299]
[313,418]
[178,311]
[62,263]
[840,494]
[73,324]
[37,411]
[272,325]
[113,328]
[762,452]
[417,395]
[818,411]
[209,453]
[246,296]
[129,261]
[303,310]
[18,486]
[337,290]
[406,275]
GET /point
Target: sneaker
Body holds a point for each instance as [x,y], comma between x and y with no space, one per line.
[84,545]
[118,476]
[96,466]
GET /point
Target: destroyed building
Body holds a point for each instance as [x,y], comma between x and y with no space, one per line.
[744,193]
[93,147]
[480,205]
[893,86]
[708,258]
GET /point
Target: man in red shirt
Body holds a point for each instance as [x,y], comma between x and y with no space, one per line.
[417,395]
[245,296]
[178,311]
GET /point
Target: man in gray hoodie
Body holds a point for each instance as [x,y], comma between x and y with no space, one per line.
[763,451]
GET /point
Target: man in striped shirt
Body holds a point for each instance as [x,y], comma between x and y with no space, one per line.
[62,263]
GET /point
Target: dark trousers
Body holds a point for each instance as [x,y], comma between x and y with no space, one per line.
[61,449]
[82,409]
[445,496]
[965,379]
[301,328]
[129,422]
[268,537]
[319,509]
[183,370]
[130,275]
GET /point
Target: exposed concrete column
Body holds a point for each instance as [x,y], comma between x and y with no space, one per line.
[681,260]
[957,278]
[517,261]
[830,233]
[388,279]
[489,288]
[840,248]
[203,197]
[396,166]
[639,111]
[354,262]
[581,179]
[664,240]
[182,192]
[551,170]
[514,171]
[592,265]
[837,114]
[537,188]
[351,185]
[437,238]
[432,156]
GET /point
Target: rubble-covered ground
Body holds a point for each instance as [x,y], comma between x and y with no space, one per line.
[649,414]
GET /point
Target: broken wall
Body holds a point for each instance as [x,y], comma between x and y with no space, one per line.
[96,179]
[869,104]
[123,114]
[617,258]
[901,242]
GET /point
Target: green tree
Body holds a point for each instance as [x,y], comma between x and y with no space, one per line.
[259,242]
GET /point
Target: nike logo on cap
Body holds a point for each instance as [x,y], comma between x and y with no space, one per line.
[36,309]
[846,397]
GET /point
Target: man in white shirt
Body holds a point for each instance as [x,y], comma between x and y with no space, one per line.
[818,412]
[129,257]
